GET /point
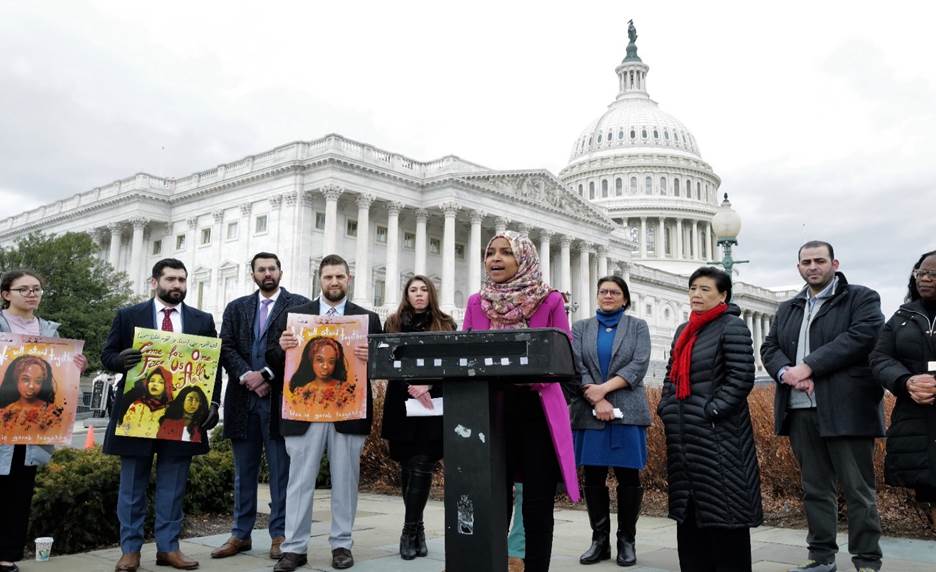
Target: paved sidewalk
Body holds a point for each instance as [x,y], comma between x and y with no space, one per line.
[377,533]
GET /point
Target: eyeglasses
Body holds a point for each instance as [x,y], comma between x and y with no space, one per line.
[924,274]
[614,293]
[27,291]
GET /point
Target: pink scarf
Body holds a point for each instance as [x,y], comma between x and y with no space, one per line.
[510,304]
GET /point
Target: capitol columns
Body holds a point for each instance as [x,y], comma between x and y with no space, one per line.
[136,252]
[661,239]
[565,263]
[113,255]
[330,240]
[449,210]
[643,237]
[545,254]
[500,224]
[695,240]
[192,237]
[362,271]
[474,252]
[680,241]
[419,264]
[392,278]
[758,337]
[583,288]
[523,229]
[602,262]
[244,237]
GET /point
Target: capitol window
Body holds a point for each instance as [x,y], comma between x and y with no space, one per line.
[621,134]
[409,240]
[698,188]
[610,136]
[618,187]
[591,189]
[633,134]
[180,242]
[205,236]
[260,225]
[581,190]
[381,234]
[435,246]
[643,133]
[666,134]
[633,185]
[648,183]
[320,221]
[459,251]
[656,134]
[351,227]
[232,231]
[599,138]
[157,247]
[676,187]
[604,188]
[662,185]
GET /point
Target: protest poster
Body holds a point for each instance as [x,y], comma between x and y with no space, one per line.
[39,391]
[168,394]
[324,381]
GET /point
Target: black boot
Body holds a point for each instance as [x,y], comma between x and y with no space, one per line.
[599,516]
[408,541]
[629,500]
[414,499]
[421,548]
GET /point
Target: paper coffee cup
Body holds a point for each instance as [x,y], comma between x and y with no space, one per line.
[43,548]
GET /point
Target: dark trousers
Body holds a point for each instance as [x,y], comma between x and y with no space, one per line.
[532,459]
[247,453]
[712,549]
[598,476]
[17,493]
[171,477]
[823,461]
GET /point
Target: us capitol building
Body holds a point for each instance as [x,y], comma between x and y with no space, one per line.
[636,199]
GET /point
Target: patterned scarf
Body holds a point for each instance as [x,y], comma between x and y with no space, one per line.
[682,350]
[510,304]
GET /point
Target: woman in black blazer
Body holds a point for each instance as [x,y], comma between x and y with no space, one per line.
[612,352]
[415,442]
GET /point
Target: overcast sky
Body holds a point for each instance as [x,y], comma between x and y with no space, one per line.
[820,117]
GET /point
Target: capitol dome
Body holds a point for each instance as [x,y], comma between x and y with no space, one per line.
[644,167]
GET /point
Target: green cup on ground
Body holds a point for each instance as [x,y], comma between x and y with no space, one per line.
[43,548]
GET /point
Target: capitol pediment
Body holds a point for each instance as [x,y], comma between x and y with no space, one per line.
[541,189]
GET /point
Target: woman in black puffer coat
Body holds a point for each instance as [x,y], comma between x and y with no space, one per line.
[714,480]
[904,361]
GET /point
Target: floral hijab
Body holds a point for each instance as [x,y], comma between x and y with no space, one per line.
[510,304]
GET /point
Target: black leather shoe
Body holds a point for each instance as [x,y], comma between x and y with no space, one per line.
[290,561]
[12,567]
[341,558]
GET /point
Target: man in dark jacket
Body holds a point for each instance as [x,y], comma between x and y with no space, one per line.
[829,403]
[164,312]
[249,420]
[306,442]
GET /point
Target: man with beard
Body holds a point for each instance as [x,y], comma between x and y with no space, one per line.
[305,442]
[829,403]
[249,420]
[164,312]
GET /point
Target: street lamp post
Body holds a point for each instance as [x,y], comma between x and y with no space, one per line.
[727,226]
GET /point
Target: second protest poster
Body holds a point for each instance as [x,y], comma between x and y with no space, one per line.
[324,380]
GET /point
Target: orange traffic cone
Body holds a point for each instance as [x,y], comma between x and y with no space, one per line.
[89,439]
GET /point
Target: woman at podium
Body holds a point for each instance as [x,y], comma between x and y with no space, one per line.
[610,417]
[415,442]
[538,432]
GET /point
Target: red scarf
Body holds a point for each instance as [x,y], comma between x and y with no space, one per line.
[682,351]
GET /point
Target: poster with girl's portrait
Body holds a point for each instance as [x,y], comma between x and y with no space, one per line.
[39,389]
[324,381]
[168,394]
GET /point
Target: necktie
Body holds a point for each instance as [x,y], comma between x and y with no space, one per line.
[264,314]
[167,321]
[331,312]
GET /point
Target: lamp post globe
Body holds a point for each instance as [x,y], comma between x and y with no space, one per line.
[727,226]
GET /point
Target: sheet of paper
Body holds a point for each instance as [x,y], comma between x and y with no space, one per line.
[416,409]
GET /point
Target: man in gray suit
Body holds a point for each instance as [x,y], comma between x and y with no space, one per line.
[306,442]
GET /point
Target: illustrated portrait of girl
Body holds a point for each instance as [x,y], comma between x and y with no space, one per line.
[27,384]
[185,416]
[148,399]
[322,361]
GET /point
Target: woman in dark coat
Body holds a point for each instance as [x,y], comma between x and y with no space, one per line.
[612,351]
[415,442]
[714,481]
[905,362]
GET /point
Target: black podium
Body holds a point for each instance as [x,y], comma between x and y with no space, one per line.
[472,365]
